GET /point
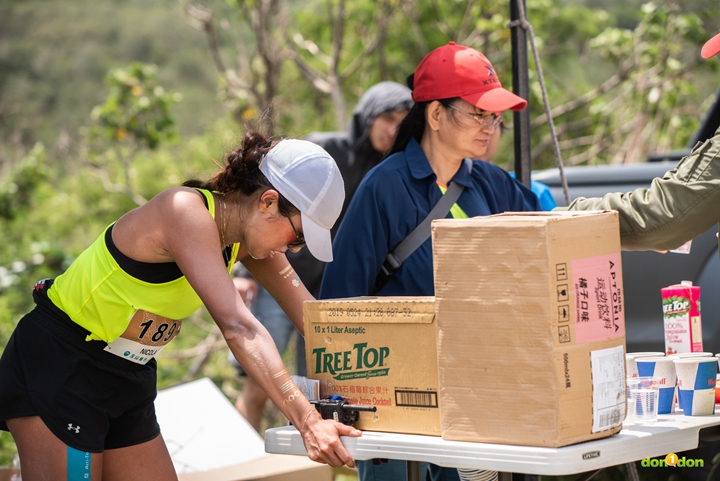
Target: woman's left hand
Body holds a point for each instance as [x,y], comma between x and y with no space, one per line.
[322,440]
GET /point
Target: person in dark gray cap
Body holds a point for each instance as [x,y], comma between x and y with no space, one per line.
[371,134]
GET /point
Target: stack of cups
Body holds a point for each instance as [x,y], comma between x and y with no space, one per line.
[691,354]
[663,369]
[696,354]
[630,361]
[697,377]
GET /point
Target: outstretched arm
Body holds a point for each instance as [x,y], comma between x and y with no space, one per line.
[678,207]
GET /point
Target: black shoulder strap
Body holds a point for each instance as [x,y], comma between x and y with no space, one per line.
[420,234]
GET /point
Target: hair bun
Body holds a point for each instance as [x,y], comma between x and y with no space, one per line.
[242,167]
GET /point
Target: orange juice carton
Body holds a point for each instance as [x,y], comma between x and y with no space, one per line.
[681,316]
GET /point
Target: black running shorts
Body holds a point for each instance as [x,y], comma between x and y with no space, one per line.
[92,400]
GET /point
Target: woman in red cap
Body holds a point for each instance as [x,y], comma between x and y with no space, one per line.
[458,105]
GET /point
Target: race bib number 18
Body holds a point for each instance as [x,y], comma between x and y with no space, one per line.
[146,335]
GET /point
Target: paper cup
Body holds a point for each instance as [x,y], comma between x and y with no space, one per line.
[662,368]
[686,355]
[631,367]
[691,354]
[696,384]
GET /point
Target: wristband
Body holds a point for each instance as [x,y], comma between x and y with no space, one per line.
[306,418]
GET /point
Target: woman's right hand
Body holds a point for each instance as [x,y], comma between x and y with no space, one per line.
[322,440]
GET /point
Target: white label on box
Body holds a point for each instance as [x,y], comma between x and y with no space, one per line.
[608,378]
[309,387]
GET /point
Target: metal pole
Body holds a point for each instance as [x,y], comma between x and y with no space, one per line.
[413,471]
[521,87]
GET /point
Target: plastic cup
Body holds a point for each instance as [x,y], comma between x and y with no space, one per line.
[662,368]
[697,377]
[643,396]
[631,367]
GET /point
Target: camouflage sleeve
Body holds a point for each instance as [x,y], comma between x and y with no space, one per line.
[681,205]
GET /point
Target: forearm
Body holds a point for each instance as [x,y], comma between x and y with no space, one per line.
[674,209]
[278,277]
[255,350]
[257,354]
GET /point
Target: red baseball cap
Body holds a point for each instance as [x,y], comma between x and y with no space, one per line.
[456,71]
[711,47]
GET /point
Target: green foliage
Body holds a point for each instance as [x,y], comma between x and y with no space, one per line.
[137,108]
[650,101]
[18,186]
[54,55]
[55,201]
[8,450]
[19,256]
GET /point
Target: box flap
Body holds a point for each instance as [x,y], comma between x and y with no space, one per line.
[559,213]
[372,310]
[520,218]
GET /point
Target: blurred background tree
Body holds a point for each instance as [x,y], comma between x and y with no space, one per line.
[135,116]
[624,79]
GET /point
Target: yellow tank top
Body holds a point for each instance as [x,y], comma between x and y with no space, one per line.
[96,293]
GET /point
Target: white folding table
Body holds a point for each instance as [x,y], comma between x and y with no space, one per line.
[672,433]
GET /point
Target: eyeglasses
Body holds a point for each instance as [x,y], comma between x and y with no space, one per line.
[300,239]
[485,121]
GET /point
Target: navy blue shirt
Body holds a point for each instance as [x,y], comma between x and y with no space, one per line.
[393,198]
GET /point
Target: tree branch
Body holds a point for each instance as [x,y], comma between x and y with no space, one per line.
[465,25]
[381,20]
[584,99]
[112,187]
[200,360]
[201,19]
[411,13]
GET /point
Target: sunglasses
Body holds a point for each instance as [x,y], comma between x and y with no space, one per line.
[300,239]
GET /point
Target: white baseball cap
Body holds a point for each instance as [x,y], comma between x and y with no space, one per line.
[307,176]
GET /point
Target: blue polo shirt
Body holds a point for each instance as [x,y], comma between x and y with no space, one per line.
[393,198]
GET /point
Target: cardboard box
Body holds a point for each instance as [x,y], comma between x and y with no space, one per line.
[681,318]
[8,473]
[531,334]
[273,467]
[378,351]
[209,440]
